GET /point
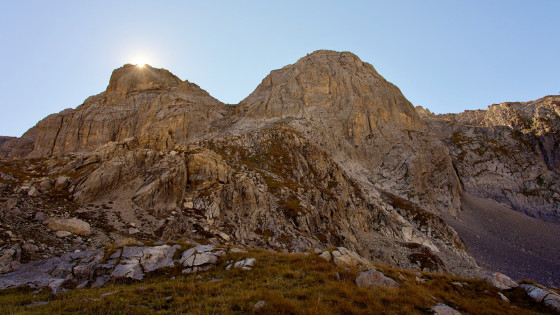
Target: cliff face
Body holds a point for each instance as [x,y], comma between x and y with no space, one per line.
[325,152]
[344,105]
[149,104]
[509,153]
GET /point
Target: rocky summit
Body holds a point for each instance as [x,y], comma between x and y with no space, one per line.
[324,153]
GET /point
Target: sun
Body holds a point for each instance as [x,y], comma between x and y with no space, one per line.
[140,61]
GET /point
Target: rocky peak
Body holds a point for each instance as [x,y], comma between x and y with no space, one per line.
[333,81]
[130,78]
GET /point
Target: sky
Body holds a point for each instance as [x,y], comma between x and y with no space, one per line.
[445,55]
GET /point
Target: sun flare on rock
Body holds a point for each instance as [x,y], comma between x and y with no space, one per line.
[140,61]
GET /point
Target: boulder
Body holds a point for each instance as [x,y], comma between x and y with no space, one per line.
[540,295]
[501,281]
[374,279]
[33,192]
[73,225]
[326,256]
[442,309]
[61,183]
[9,258]
[245,264]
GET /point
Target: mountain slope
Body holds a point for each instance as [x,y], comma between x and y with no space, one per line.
[325,152]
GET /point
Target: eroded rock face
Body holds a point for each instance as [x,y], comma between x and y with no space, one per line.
[508,153]
[150,104]
[325,152]
[343,104]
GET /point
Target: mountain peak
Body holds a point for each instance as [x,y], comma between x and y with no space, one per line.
[338,82]
[129,78]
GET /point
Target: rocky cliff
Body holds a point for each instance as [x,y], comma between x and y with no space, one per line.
[509,153]
[151,105]
[325,152]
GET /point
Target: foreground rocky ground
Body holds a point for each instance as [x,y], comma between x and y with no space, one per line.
[280,283]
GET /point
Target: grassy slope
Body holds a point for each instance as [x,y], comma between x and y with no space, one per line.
[288,283]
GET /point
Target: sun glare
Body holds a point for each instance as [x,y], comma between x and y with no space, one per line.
[140,61]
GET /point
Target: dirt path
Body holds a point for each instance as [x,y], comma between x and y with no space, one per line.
[503,240]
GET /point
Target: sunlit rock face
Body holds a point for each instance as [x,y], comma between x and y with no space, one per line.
[150,104]
[325,152]
[344,105]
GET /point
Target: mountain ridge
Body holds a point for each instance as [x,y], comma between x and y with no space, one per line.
[325,152]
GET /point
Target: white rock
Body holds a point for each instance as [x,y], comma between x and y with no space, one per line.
[326,256]
[245,264]
[442,309]
[259,304]
[501,281]
[503,297]
[373,279]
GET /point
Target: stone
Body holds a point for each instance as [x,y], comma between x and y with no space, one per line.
[501,281]
[30,248]
[552,301]
[245,264]
[374,279]
[100,281]
[157,257]
[128,269]
[33,192]
[9,258]
[503,297]
[204,259]
[40,216]
[442,309]
[540,295]
[326,256]
[61,183]
[63,234]
[534,292]
[259,305]
[45,185]
[133,231]
[73,225]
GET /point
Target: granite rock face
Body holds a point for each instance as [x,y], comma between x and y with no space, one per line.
[150,104]
[344,105]
[324,153]
[509,153]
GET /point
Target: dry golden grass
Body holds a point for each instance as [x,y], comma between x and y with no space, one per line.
[288,283]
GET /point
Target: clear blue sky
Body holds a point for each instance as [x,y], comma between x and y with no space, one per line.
[445,55]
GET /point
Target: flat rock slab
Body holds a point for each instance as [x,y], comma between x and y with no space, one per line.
[90,267]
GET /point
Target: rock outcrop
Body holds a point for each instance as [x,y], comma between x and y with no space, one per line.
[95,268]
[149,104]
[324,153]
[509,153]
[344,105]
